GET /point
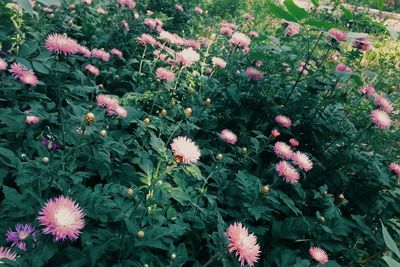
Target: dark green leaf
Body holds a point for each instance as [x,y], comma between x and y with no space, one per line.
[295,10]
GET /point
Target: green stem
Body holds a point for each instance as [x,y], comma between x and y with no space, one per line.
[212,259]
[141,60]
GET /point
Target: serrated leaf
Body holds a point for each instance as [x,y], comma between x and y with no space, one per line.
[295,10]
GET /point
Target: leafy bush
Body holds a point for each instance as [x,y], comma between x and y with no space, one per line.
[91,115]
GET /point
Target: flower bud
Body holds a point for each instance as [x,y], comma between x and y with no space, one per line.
[146,121]
[243,150]
[219,157]
[340,198]
[45,160]
[90,118]
[129,192]
[188,111]
[103,133]
[324,194]
[207,102]
[163,113]
[265,189]
[321,219]
[140,234]
[23,156]
[173,256]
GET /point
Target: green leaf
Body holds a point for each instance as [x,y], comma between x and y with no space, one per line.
[391,262]
[389,241]
[295,10]
[25,6]
[280,12]
[321,24]
[380,4]
[8,158]
[157,144]
[39,67]
[315,2]
[346,13]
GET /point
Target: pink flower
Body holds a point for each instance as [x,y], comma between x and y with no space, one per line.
[92,69]
[226,31]
[254,74]
[100,54]
[198,10]
[247,16]
[302,160]
[292,29]
[127,3]
[151,23]
[337,34]
[125,24]
[101,11]
[146,39]
[294,142]
[282,150]
[20,236]
[7,254]
[229,25]
[367,90]
[116,52]
[110,103]
[178,7]
[240,39]
[191,43]
[187,57]
[228,136]
[218,62]
[87,2]
[164,74]
[17,70]
[381,119]
[85,51]
[185,150]
[395,167]
[48,10]
[362,43]
[121,111]
[283,121]
[383,103]
[169,37]
[253,34]
[275,133]
[259,63]
[29,78]
[62,217]
[303,68]
[319,255]
[245,245]
[287,172]
[61,44]
[343,68]
[3,64]
[32,120]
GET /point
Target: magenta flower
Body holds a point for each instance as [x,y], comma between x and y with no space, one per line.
[254,74]
[292,29]
[111,105]
[32,120]
[178,7]
[381,119]
[185,150]
[62,217]
[17,69]
[228,136]
[287,172]
[100,54]
[282,150]
[187,57]
[362,43]
[275,133]
[367,90]
[3,64]
[294,142]
[319,255]
[5,253]
[116,52]
[343,68]
[283,121]
[92,69]
[127,3]
[240,39]
[245,245]
[164,74]
[218,62]
[85,51]
[198,10]
[383,103]
[337,34]
[61,44]
[302,160]
[395,167]
[20,235]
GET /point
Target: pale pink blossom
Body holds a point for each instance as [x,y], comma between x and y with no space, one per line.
[275,133]
[61,44]
[240,39]
[127,3]
[187,57]
[125,24]
[121,111]
[395,167]
[149,13]
[169,37]
[198,10]
[164,74]
[384,104]
[29,78]
[282,150]
[151,23]
[5,253]
[48,10]
[101,11]
[3,64]
[62,217]
[362,43]
[226,31]
[178,7]
[92,69]
[17,69]
[367,90]
[319,255]
[85,51]
[116,52]
[185,150]
[294,142]
[283,121]
[381,119]
[100,54]
[287,172]
[229,25]
[218,62]
[292,29]
[343,68]
[228,136]
[259,63]
[87,2]
[253,34]
[337,35]
[302,160]
[254,74]
[32,120]
[146,39]
[243,244]
[247,16]
[108,102]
